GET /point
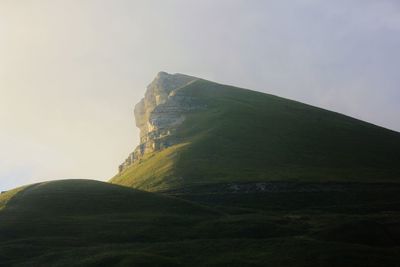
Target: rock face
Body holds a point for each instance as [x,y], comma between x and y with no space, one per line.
[158,114]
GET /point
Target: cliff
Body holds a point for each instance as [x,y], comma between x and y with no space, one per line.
[159,113]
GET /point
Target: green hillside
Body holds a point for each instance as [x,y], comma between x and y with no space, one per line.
[89,223]
[87,197]
[96,210]
[66,217]
[247,136]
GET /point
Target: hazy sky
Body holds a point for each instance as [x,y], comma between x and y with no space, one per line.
[72,70]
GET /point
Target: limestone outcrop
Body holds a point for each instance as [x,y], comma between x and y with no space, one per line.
[160,112]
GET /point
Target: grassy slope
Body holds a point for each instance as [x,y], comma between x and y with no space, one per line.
[42,219]
[88,197]
[87,223]
[250,136]
[97,210]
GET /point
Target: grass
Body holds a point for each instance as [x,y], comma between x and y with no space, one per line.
[85,197]
[154,172]
[88,223]
[250,136]
[6,196]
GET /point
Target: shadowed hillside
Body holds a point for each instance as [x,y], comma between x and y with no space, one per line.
[89,223]
[86,197]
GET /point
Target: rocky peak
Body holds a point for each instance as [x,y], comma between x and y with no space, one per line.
[159,113]
[157,93]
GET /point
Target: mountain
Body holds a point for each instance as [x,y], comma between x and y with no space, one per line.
[196,132]
[239,178]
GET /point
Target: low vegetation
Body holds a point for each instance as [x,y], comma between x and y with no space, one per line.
[88,223]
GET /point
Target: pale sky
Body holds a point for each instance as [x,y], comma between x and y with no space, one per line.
[71,71]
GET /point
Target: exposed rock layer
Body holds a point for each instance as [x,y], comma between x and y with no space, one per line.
[158,114]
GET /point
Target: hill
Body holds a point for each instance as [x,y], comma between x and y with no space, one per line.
[89,223]
[87,197]
[65,217]
[196,132]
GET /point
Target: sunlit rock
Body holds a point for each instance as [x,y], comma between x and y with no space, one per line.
[160,112]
